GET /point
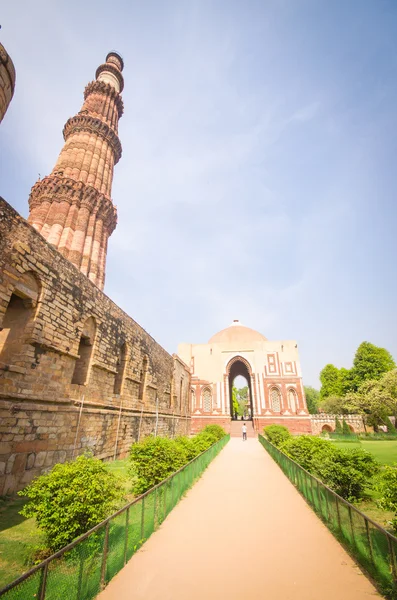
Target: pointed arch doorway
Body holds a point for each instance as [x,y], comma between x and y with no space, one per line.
[238,366]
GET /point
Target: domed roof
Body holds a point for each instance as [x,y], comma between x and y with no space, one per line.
[237,333]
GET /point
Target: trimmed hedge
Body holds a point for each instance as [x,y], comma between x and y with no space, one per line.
[346,471]
[276,434]
[156,458]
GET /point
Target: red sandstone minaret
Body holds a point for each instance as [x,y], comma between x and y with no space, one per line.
[72,207]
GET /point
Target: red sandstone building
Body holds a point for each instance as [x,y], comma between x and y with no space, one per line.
[271,369]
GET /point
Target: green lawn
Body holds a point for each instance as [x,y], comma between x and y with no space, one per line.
[384,451]
[21,540]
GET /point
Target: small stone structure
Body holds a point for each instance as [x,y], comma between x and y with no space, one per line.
[323,423]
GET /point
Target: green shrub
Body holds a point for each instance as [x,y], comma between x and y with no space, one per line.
[202,441]
[390,427]
[215,430]
[347,472]
[276,434]
[338,426]
[154,459]
[188,445]
[345,428]
[71,499]
[387,487]
[305,448]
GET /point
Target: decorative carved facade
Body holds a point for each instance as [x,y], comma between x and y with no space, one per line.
[271,369]
[72,207]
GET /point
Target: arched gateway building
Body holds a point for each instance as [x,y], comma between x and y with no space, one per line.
[272,371]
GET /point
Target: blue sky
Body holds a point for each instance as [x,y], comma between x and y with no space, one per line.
[258,177]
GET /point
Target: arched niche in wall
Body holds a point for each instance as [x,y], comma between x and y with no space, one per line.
[86,346]
[20,311]
[292,400]
[122,352]
[144,370]
[275,399]
[206,395]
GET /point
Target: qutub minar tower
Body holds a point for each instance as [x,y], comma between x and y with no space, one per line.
[72,207]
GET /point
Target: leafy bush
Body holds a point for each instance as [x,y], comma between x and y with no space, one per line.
[305,448]
[71,499]
[276,434]
[154,459]
[216,431]
[345,428]
[346,472]
[202,441]
[188,445]
[390,427]
[387,486]
[338,426]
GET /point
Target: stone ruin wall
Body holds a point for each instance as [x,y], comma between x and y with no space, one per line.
[322,423]
[76,372]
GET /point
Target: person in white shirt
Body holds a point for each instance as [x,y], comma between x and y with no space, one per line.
[244,432]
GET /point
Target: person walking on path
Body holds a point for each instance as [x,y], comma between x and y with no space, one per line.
[244,432]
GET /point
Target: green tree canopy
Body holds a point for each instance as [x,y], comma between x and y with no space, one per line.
[370,362]
[312,399]
[330,383]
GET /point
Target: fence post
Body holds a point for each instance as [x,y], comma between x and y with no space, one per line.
[43,582]
[165,500]
[371,552]
[392,559]
[104,556]
[127,520]
[327,503]
[351,524]
[143,520]
[338,513]
[155,520]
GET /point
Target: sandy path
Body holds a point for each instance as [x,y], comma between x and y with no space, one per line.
[242,532]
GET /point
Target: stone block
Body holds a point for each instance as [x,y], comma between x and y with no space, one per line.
[40,459]
[30,461]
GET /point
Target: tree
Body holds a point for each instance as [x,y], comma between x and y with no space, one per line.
[312,399]
[370,363]
[338,426]
[372,401]
[346,380]
[235,400]
[333,405]
[240,399]
[71,499]
[330,382]
[345,428]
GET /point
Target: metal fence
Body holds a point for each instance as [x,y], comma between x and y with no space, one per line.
[373,547]
[83,568]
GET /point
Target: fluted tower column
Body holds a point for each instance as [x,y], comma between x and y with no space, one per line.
[72,207]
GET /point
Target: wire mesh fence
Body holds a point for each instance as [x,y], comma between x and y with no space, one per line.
[83,568]
[373,547]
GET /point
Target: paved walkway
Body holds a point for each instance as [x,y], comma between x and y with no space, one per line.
[242,532]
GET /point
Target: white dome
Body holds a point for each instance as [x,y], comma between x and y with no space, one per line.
[236,333]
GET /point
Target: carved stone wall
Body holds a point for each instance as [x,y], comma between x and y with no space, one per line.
[323,423]
[75,371]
